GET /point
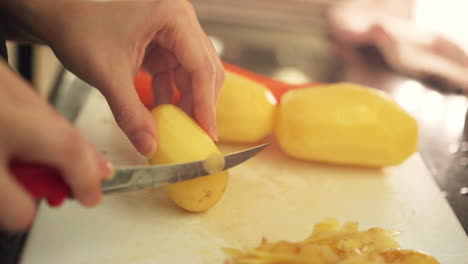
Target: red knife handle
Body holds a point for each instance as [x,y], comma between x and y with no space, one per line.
[42,182]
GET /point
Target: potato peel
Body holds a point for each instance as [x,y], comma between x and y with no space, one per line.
[331,243]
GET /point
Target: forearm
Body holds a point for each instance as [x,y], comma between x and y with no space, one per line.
[13,32]
[29,20]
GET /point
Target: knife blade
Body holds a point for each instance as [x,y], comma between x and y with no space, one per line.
[139,177]
[44,182]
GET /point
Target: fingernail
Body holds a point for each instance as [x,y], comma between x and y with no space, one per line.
[214,127]
[155,147]
[214,133]
[105,166]
[106,169]
[145,143]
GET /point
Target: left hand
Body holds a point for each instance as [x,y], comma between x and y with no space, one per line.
[106,43]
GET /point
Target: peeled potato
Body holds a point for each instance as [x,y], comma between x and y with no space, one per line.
[182,140]
[245,111]
[345,124]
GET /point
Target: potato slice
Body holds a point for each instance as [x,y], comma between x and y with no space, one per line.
[182,140]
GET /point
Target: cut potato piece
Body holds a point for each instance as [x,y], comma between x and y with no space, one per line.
[345,124]
[214,163]
[182,140]
[245,111]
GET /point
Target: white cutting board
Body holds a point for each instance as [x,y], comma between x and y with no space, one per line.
[271,195]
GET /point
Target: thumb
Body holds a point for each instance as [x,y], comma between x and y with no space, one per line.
[131,115]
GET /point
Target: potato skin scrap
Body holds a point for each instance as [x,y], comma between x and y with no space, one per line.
[405,256]
[331,243]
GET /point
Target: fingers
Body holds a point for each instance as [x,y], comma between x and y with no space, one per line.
[159,59]
[219,81]
[162,88]
[218,66]
[52,141]
[220,74]
[17,208]
[184,84]
[185,38]
[35,133]
[106,51]
[203,93]
[131,115]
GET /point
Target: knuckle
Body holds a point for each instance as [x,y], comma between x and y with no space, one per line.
[75,146]
[126,118]
[184,13]
[85,187]
[189,8]
[78,160]
[175,8]
[121,115]
[221,76]
[210,68]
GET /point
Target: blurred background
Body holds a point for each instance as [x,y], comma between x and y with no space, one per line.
[288,40]
[415,50]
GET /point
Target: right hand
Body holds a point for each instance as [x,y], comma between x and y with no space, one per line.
[32,131]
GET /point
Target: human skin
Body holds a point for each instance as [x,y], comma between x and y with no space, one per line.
[105,44]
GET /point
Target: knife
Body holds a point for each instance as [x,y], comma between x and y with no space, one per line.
[44,182]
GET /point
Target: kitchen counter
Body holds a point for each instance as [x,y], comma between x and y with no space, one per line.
[296,48]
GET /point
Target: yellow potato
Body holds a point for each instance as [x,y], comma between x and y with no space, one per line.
[182,140]
[245,111]
[345,124]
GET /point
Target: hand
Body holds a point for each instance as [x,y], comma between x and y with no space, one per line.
[106,43]
[31,130]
